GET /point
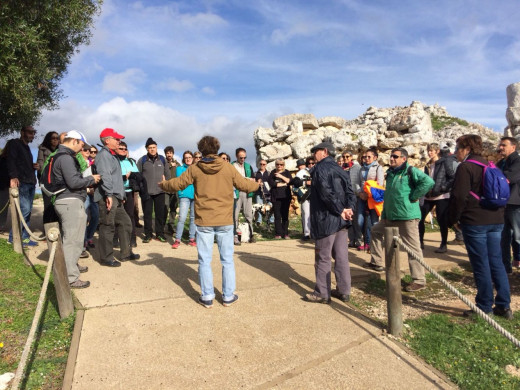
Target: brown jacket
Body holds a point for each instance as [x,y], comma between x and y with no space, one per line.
[213,179]
[465,208]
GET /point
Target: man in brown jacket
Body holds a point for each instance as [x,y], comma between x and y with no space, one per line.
[213,179]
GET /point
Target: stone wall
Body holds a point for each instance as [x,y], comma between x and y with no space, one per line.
[513,111]
[293,136]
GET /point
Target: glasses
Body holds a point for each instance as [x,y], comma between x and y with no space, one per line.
[346,156]
[225,159]
[86,150]
[280,165]
[242,158]
[122,148]
[188,158]
[55,138]
[395,156]
[115,139]
[93,151]
[263,164]
[311,163]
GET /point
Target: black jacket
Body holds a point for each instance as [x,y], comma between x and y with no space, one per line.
[331,193]
[511,168]
[443,175]
[20,162]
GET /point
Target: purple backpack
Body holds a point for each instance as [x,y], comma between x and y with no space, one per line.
[495,186]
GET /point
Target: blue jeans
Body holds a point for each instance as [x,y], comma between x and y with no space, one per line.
[511,236]
[186,204]
[362,208]
[483,246]
[91,208]
[205,238]
[26,197]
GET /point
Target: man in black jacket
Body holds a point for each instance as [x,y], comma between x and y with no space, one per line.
[510,165]
[332,205]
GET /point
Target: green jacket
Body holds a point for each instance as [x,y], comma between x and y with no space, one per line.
[402,193]
[249,173]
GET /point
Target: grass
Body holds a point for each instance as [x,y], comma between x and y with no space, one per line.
[439,122]
[19,292]
[471,353]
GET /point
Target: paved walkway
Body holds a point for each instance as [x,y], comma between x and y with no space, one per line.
[143,329]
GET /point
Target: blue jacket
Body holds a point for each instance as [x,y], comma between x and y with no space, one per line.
[331,193]
[188,192]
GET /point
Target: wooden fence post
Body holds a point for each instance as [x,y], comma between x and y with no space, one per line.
[15,221]
[393,282]
[59,273]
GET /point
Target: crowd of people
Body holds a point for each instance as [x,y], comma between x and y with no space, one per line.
[344,202]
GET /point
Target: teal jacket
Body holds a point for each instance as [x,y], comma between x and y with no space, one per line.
[403,191]
[249,173]
[188,192]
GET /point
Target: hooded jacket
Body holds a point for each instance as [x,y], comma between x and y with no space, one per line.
[154,169]
[511,168]
[213,179]
[331,192]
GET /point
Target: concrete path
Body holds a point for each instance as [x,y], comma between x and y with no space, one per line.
[143,329]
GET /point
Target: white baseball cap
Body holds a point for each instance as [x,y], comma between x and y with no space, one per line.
[78,135]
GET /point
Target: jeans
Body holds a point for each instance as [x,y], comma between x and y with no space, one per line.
[186,204]
[483,246]
[26,197]
[92,210]
[510,236]
[205,238]
[362,209]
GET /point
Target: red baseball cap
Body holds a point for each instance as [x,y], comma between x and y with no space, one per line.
[108,132]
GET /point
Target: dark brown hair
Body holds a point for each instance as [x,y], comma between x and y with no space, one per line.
[471,141]
[208,145]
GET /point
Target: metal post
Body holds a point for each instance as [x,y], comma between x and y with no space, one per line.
[15,221]
[393,282]
[59,272]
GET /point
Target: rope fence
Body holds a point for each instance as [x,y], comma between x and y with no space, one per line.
[472,306]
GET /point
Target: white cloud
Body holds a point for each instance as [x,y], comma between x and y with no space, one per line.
[125,82]
[176,85]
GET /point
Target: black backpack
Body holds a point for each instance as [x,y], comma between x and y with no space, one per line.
[48,183]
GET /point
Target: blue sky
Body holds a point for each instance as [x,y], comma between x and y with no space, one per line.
[177,70]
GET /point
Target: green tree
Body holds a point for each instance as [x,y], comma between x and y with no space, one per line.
[37,41]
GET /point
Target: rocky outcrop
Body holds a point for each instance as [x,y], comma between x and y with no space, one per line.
[293,136]
[513,111]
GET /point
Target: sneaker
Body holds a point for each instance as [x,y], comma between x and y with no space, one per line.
[28,242]
[471,313]
[147,239]
[160,238]
[412,287]
[90,244]
[506,313]
[207,304]
[82,268]
[113,263]
[236,241]
[80,284]
[422,245]
[192,242]
[83,255]
[373,267]
[277,237]
[363,247]
[231,301]
[456,242]
[306,238]
[441,249]
[252,240]
[286,237]
[176,244]
[311,297]
[342,297]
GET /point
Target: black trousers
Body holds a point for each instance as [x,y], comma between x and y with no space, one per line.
[129,208]
[109,221]
[441,210]
[154,204]
[281,216]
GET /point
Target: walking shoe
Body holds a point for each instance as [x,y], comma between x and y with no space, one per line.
[441,249]
[471,313]
[412,287]
[28,242]
[90,244]
[306,238]
[160,238]
[311,297]
[363,247]
[83,255]
[277,237]
[132,256]
[373,267]
[456,242]
[176,244]
[506,313]
[192,242]
[286,237]
[252,240]
[113,263]
[422,245]
[82,268]
[80,284]
[236,241]
[516,263]
[207,304]
[147,239]
[342,297]
[231,301]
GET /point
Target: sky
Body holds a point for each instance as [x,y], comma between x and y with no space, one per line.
[178,70]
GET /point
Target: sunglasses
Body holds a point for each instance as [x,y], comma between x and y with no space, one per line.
[86,150]
[55,138]
[395,156]
[263,164]
[280,165]
[122,149]
[93,151]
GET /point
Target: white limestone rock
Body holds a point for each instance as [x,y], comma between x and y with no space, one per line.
[334,121]
[513,95]
[301,148]
[309,121]
[513,116]
[275,150]
[263,136]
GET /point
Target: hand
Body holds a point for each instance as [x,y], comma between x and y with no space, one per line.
[109,202]
[363,196]
[14,183]
[97,178]
[347,214]
[36,166]
[128,174]
[160,184]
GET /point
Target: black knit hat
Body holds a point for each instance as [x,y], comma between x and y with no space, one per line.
[150,141]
